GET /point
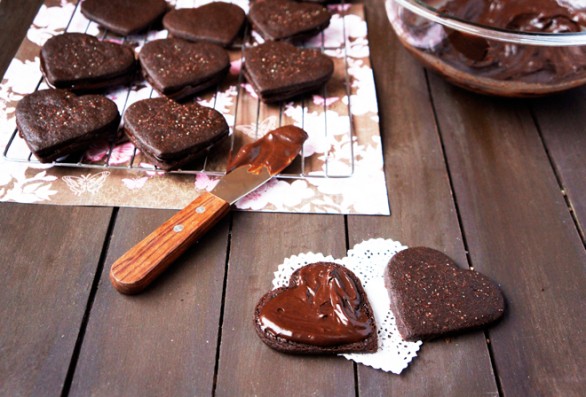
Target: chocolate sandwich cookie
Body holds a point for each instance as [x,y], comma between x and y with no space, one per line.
[279,71]
[216,22]
[284,19]
[55,123]
[123,16]
[81,62]
[178,68]
[324,309]
[431,296]
[170,134]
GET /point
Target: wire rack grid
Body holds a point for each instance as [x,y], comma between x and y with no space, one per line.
[250,117]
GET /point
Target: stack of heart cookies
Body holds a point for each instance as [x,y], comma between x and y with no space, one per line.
[173,131]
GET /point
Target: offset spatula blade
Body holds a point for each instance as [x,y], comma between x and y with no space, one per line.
[239,182]
[253,166]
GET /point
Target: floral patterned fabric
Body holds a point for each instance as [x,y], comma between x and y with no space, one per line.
[340,169]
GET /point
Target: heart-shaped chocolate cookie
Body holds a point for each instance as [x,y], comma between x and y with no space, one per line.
[171,134]
[58,122]
[279,71]
[178,68]
[81,62]
[123,16]
[216,22]
[431,296]
[323,310]
[284,19]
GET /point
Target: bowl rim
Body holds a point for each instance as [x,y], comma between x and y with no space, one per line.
[489,32]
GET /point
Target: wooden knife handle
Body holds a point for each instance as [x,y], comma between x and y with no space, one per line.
[138,267]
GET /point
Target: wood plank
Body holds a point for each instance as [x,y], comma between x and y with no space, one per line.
[520,233]
[247,367]
[561,120]
[161,342]
[49,256]
[422,213]
[15,19]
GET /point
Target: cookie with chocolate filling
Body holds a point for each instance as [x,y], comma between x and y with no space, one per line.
[216,22]
[81,62]
[284,19]
[55,123]
[431,296]
[279,71]
[123,16]
[171,134]
[177,68]
[323,310]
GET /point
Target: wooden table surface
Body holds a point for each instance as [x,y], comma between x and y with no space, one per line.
[498,184]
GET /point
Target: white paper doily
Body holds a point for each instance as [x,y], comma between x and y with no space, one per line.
[368,261]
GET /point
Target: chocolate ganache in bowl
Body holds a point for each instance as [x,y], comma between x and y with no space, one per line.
[516,48]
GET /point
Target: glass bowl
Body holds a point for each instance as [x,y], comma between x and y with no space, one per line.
[514,48]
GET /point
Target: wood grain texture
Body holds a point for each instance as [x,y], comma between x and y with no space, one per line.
[422,214]
[15,19]
[561,120]
[515,220]
[260,242]
[144,262]
[163,341]
[520,233]
[48,259]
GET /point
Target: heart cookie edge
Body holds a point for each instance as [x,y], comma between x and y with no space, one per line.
[367,345]
[413,327]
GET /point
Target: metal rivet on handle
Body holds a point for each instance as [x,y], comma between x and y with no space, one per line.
[200,210]
[178,228]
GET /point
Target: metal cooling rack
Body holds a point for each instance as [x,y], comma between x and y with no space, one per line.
[14,149]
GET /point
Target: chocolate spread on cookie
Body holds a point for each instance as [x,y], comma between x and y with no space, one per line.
[323,308]
[274,150]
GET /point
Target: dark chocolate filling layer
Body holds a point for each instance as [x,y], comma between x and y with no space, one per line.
[272,96]
[322,306]
[50,154]
[181,92]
